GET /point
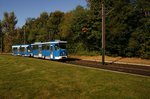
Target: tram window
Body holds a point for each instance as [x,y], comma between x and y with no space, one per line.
[62,45]
[56,47]
[28,49]
[47,47]
[35,47]
[51,48]
[43,47]
[22,49]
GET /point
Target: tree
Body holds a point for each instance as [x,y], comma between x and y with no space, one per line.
[95,24]
[127,21]
[78,39]
[9,23]
[30,29]
[119,28]
[53,24]
[139,44]
[65,26]
[127,28]
[1,37]
[19,36]
[42,27]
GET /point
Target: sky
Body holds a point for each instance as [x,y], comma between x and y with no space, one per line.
[24,9]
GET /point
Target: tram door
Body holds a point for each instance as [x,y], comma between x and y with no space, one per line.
[40,51]
[51,52]
[18,50]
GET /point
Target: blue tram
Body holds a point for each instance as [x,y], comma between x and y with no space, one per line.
[25,50]
[16,49]
[36,49]
[22,50]
[53,50]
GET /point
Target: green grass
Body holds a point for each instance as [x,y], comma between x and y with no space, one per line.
[29,78]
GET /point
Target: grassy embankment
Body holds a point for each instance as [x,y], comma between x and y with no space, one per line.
[29,78]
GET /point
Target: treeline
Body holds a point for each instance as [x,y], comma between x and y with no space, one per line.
[127,28]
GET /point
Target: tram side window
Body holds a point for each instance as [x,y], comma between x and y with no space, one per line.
[22,49]
[56,46]
[47,47]
[35,47]
[43,47]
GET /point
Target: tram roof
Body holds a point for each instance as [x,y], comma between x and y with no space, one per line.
[51,42]
[17,46]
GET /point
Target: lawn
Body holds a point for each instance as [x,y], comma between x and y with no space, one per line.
[29,78]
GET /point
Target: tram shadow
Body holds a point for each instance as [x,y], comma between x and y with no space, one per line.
[69,59]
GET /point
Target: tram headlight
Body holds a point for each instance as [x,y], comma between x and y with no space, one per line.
[29,51]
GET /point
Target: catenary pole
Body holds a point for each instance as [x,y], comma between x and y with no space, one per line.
[103,34]
[1,36]
[24,36]
[1,43]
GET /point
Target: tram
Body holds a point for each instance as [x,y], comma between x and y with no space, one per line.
[54,50]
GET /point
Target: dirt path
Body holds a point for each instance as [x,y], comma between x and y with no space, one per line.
[114,59]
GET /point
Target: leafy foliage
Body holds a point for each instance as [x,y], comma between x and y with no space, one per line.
[9,23]
[1,37]
[127,28]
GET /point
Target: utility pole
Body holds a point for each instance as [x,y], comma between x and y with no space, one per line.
[1,36]
[1,42]
[103,34]
[49,36]
[24,36]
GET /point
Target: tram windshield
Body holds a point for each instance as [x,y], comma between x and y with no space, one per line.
[28,49]
[62,45]
[14,49]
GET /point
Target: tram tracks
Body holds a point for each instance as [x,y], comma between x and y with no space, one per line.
[126,68]
[133,69]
